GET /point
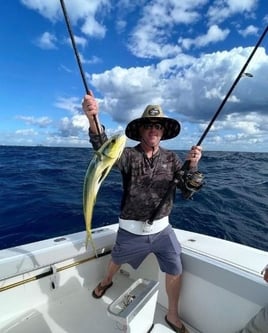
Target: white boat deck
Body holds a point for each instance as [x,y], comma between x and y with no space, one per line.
[79,312]
[215,272]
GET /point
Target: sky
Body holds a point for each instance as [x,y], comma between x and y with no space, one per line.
[184,55]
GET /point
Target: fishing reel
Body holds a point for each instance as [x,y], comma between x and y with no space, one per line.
[190,182]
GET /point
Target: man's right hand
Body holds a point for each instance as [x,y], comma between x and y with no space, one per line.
[91,109]
[90,105]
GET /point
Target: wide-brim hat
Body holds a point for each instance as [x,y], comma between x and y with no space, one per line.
[153,113]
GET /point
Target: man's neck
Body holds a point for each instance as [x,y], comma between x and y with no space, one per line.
[149,151]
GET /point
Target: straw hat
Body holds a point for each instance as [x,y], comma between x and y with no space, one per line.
[153,113]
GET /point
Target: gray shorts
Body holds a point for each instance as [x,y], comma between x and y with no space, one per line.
[133,249]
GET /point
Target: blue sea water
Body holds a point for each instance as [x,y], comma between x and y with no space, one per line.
[41,196]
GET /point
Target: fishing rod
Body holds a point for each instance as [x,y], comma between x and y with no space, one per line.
[186,165]
[194,181]
[68,24]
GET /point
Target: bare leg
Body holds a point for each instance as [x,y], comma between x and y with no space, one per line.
[112,269]
[173,284]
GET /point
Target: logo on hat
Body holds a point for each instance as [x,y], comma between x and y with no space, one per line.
[154,112]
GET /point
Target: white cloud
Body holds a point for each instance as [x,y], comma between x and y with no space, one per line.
[213,35]
[124,89]
[250,30]
[193,87]
[48,9]
[221,10]
[47,41]
[79,41]
[250,124]
[37,121]
[80,121]
[91,61]
[26,132]
[65,68]
[92,28]
[76,126]
[151,34]
[76,10]
[72,104]
[121,25]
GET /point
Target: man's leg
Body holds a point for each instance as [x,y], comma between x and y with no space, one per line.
[173,284]
[111,270]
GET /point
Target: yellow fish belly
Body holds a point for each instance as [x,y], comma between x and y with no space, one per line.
[98,169]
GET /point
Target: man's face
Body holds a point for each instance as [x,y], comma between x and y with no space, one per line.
[152,133]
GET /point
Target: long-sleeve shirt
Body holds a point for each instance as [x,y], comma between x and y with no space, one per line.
[145,181]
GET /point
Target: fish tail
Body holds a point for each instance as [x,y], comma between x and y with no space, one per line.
[90,239]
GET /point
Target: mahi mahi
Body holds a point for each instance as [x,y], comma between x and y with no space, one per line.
[98,169]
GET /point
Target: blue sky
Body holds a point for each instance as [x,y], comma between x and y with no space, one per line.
[184,55]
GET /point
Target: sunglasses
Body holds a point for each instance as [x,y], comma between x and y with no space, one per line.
[152,125]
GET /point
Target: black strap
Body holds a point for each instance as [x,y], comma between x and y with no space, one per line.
[167,195]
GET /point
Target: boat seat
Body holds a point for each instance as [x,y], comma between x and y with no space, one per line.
[135,308]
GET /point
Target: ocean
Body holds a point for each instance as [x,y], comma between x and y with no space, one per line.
[41,196]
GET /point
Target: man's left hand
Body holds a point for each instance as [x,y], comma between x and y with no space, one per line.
[194,156]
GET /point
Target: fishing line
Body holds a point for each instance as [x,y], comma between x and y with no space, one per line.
[68,24]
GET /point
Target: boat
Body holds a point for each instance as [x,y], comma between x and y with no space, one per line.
[46,287]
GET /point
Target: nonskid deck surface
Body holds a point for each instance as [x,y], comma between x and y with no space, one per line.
[77,312]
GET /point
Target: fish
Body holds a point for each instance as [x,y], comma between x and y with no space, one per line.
[98,169]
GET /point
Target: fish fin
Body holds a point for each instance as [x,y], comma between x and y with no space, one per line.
[99,155]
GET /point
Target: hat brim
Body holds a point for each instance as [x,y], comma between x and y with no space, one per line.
[171,127]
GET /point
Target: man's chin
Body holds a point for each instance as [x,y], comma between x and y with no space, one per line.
[154,142]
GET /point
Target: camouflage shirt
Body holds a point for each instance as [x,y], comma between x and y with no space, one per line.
[145,181]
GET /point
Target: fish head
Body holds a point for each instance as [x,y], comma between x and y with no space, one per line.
[113,148]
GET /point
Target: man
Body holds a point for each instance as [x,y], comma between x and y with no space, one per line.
[259,323]
[147,171]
